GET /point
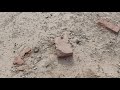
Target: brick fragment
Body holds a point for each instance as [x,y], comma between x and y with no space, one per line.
[106,23]
[18,61]
[63,48]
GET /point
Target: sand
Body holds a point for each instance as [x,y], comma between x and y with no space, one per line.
[97,55]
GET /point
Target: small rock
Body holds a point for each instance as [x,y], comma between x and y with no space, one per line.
[63,47]
[36,50]
[25,52]
[38,58]
[18,61]
[108,25]
[77,41]
[13,51]
[21,68]
[35,68]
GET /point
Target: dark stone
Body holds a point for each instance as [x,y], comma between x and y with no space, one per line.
[36,50]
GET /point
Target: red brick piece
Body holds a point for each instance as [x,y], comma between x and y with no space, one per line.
[63,47]
[109,25]
[18,61]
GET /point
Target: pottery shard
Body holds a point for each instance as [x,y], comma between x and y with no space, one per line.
[18,61]
[63,47]
[109,25]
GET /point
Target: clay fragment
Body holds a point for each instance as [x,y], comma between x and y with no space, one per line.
[63,48]
[106,23]
[18,61]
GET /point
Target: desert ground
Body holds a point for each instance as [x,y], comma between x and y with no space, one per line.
[96,50]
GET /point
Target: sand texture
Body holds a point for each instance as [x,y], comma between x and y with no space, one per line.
[96,50]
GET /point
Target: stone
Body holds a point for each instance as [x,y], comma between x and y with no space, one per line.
[77,41]
[36,50]
[21,68]
[25,52]
[106,23]
[63,48]
[18,61]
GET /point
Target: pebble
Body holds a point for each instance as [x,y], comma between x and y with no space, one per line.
[77,41]
[36,50]
[18,61]
[63,48]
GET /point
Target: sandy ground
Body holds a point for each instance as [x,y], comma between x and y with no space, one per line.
[97,55]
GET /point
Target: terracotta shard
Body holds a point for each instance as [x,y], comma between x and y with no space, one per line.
[109,25]
[63,48]
[18,61]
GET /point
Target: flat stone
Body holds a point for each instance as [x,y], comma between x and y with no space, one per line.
[18,61]
[106,23]
[63,48]
[22,68]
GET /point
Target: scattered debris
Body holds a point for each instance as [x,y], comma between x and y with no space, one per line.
[25,52]
[37,59]
[63,47]
[36,50]
[21,68]
[77,41]
[106,23]
[18,61]
[13,51]
[34,68]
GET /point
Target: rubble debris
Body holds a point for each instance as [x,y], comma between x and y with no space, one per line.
[77,41]
[18,61]
[13,51]
[25,52]
[21,68]
[36,50]
[63,48]
[106,23]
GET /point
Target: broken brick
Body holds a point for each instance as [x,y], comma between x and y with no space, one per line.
[109,25]
[24,53]
[18,61]
[63,47]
